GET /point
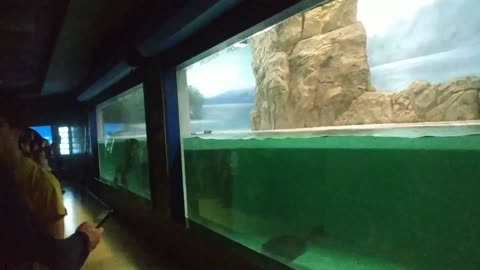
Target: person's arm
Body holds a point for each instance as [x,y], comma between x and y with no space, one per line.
[53,211]
[86,233]
[71,252]
[24,240]
[57,229]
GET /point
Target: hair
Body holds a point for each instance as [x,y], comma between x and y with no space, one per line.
[8,143]
[12,109]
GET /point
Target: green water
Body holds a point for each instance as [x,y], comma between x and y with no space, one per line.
[119,169]
[383,202]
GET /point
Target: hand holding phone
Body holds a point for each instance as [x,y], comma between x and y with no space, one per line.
[104,219]
[94,235]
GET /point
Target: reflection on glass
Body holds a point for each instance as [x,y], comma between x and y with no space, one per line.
[78,139]
[122,142]
[220,90]
[345,137]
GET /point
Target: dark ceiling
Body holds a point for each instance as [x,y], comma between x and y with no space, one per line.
[87,28]
[28,31]
[58,46]
[78,48]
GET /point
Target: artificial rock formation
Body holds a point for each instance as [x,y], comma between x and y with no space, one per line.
[301,81]
[420,102]
[323,86]
[312,70]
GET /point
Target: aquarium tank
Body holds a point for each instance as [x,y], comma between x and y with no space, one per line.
[345,136]
[122,142]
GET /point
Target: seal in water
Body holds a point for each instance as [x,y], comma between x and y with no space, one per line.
[290,247]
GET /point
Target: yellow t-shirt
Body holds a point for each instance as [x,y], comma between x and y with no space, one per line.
[41,190]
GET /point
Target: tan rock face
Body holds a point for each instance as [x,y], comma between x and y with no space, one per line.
[270,102]
[321,20]
[332,16]
[312,87]
[459,106]
[323,86]
[374,107]
[420,102]
[312,70]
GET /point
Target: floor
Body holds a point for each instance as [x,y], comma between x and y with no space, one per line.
[119,248]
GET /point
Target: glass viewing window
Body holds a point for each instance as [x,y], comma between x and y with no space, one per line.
[343,137]
[122,142]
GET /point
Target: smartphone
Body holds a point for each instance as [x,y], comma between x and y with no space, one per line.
[105,218]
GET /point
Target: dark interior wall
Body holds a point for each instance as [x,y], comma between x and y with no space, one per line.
[29,31]
[59,110]
[235,22]
[54,110]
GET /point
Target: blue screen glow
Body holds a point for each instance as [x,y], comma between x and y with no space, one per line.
[44,131]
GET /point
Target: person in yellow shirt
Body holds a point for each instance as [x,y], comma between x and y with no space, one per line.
[42,191]
[22,240]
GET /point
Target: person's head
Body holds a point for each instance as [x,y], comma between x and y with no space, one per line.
[10,125]
[26,142]
[39,147]
[35,139]
[45,143]
[8,144]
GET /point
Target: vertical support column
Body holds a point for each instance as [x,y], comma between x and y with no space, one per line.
[181,98]
[178,124]
[156,140]
[96,117]
[70,139]
[93,127]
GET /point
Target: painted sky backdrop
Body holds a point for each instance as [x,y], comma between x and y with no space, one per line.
[408,40]
[226,72]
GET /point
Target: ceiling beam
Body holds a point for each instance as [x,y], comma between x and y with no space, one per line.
[60,11]
[195,15]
